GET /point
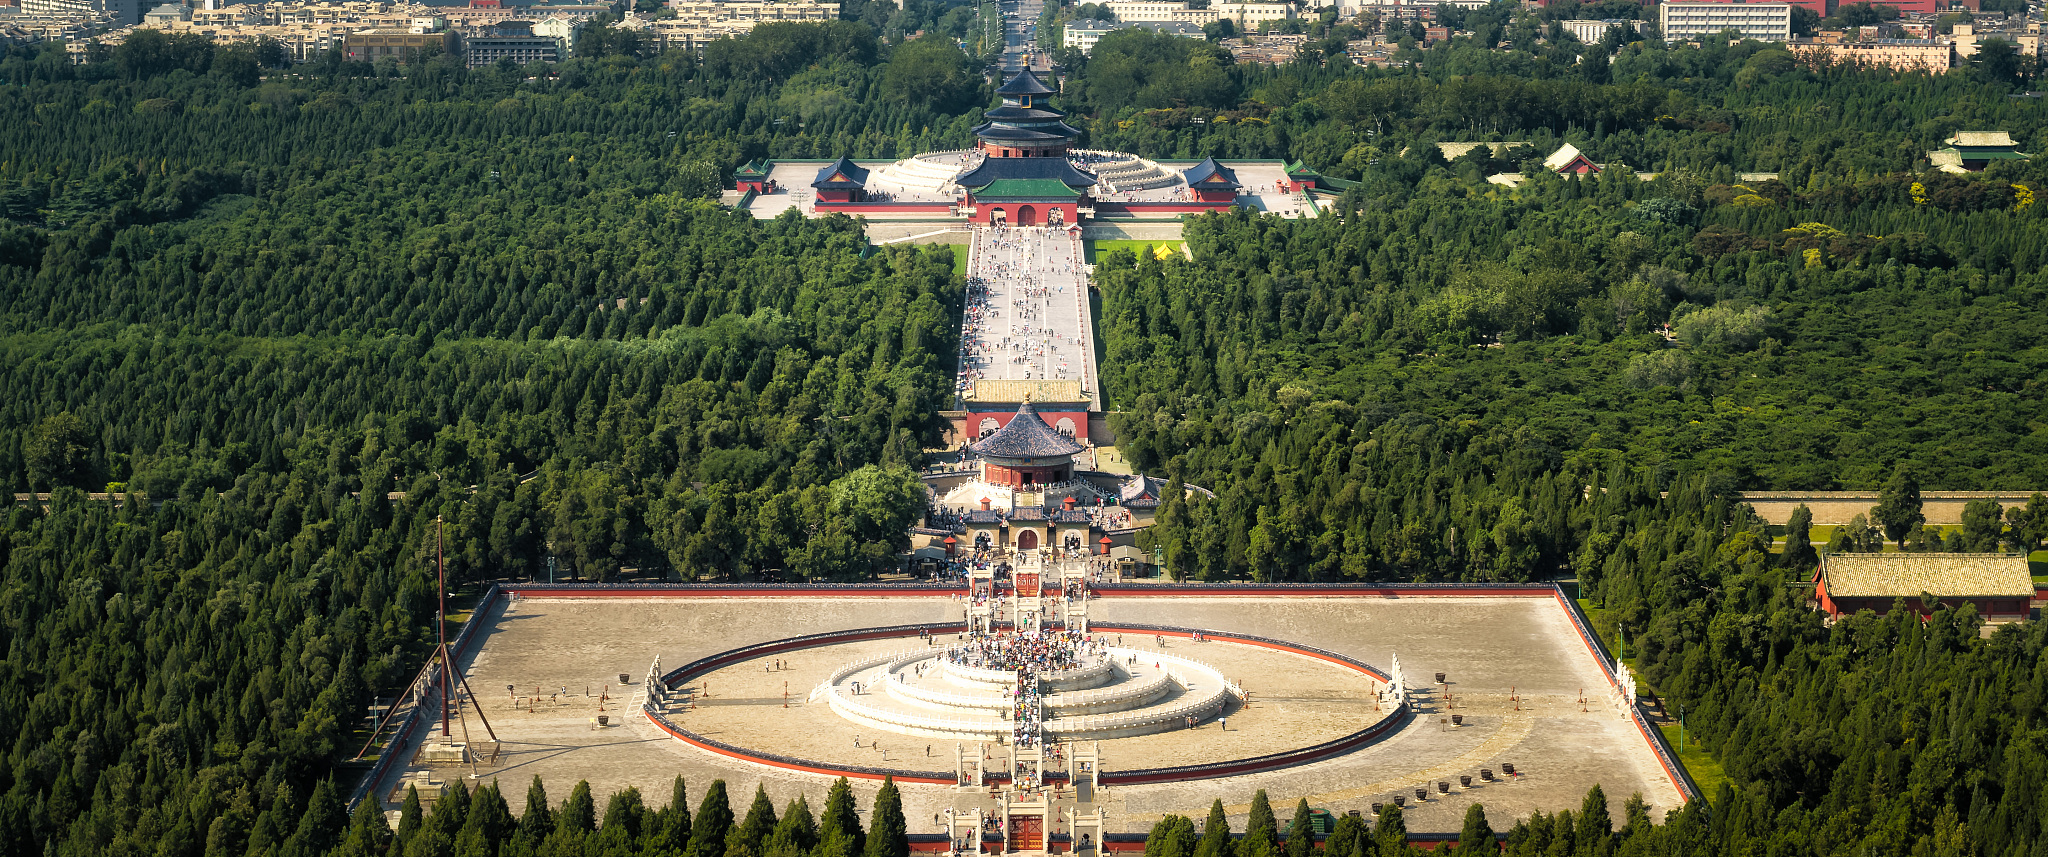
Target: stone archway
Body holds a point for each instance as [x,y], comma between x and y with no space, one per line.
[1065,426]
[997,216]
[1055,216]
[1027,539]
[988,426]
[1027,216]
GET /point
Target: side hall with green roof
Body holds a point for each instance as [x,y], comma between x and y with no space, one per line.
[1026,191]
[1972,151]
[753,176]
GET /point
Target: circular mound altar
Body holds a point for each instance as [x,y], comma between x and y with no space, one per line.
[793,703]
[1107,692]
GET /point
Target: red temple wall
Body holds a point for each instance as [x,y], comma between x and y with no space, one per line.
[985,212]
[997,474]
[970,425]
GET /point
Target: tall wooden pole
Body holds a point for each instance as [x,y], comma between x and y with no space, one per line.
[441,625]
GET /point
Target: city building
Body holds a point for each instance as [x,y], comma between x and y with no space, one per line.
[403,46]
[1269,49]
[697,23]
[705,12]
[1148,10]
[1249,16]
[1967,37]
[1591,32]
[75,28]
[1689,21]
[1999,585]
[1083,34]
[1972,151]
[1930,55]
[511,40]
[123,12]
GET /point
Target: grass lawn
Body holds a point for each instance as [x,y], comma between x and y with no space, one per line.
[1705,770]
[1605,626]
[1097,249]
[960,261]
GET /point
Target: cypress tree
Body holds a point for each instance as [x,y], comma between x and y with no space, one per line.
[1391,833]
[368,835]
[1301,832]
[623,814]
[888,830]
[450,811]
[1344,836]
[796,835]
[1261,831]
[320,825]
[1477,837]
[713,822]
[839,832]
[1596,826]
[1216,840]
[579,812]
[539,820]
[672,829]
[752,833]
[1799,553]
[410,817]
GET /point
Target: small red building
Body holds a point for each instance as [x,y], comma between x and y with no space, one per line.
[1301,177]
[1212,182]
[842,181]
[1569,161]
[1998,584]
[753,176]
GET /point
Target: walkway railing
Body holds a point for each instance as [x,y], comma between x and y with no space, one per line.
[1681,778]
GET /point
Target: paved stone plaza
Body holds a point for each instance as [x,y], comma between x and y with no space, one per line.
[1491,648]
[1038,294]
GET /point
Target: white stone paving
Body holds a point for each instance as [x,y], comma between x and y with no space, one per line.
[1034,323]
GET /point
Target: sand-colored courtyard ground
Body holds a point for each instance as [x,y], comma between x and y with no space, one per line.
[1515,667]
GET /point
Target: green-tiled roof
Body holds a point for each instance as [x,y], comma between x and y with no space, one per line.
[755,168]
[1300,169]
[1975,153]
[1025,189]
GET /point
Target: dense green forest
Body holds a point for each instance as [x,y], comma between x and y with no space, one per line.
[1351,382]
[286,318]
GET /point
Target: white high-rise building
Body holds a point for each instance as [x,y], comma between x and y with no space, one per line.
[1764,22]
[125,12]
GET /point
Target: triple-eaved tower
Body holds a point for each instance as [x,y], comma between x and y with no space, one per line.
[1025,178]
